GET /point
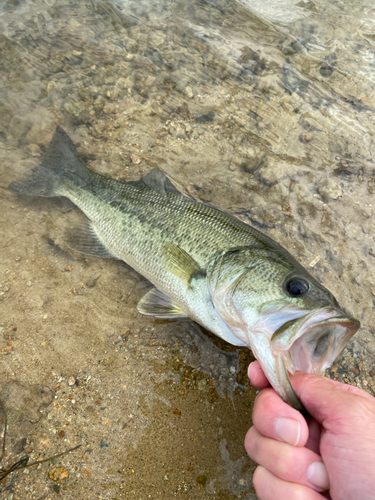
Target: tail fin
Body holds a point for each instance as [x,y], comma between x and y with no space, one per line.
[61,160]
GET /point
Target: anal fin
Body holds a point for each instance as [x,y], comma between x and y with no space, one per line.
[84,239]
[157,304]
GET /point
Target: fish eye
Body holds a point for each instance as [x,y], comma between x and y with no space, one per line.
[296,287]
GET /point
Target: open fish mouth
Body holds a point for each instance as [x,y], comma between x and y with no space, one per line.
[312,343]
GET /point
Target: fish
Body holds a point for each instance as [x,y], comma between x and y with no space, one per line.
[204,264]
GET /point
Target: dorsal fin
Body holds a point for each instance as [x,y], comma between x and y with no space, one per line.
[157,180]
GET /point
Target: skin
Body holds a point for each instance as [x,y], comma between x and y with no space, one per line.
[332,455]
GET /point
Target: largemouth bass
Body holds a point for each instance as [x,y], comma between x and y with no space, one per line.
[205,264]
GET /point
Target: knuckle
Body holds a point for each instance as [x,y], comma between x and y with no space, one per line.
[286,462]
[251,442]
[260,482]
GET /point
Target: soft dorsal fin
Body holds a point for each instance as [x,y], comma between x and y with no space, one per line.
[157,180]
[157,304]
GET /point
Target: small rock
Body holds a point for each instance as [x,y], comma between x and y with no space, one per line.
[180,132]
[58,474]
[305,137]
[207,118]
[71,381]
[110,108]
[328,189]
[202,384]
[44,443]
[99,102]
[189,92]
[34,150]
[19,446]
[314,261]
[91,282]
[202,480]
[50,86]
[136,160]
[157,38]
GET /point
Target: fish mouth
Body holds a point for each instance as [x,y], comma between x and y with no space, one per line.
[313,342]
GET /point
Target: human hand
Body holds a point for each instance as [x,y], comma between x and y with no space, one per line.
[330,456]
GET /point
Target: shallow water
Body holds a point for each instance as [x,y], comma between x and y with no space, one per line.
[264,109]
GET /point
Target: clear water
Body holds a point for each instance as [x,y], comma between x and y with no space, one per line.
[263,108]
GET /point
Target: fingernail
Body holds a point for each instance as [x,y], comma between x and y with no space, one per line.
[248,370]
[288,430]
[317,475]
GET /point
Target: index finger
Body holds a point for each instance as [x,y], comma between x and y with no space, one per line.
[256,375]
[274,418]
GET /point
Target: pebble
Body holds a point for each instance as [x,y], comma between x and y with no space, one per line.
[136,160]
[50,86]
[71,381]
[202,480]
[189,92]
[202,384]
[110,108]
[34,150]
[157,38]
[315,261]
[91,282]
[86,473]
[328,189]
[58,474]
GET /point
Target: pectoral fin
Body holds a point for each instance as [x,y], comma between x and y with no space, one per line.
[157,304]
[181,264]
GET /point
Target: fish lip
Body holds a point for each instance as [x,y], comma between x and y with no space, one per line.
[299,341]
[311,320]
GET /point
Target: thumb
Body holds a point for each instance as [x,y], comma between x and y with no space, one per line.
[328,400]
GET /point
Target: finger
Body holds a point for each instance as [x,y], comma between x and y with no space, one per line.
[269,487]
[275,419]
[256,375]
[324,399]
[289,463]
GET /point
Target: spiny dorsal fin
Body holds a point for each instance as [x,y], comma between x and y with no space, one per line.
[157,304]
[157,180]
[181,264]
[84,239]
